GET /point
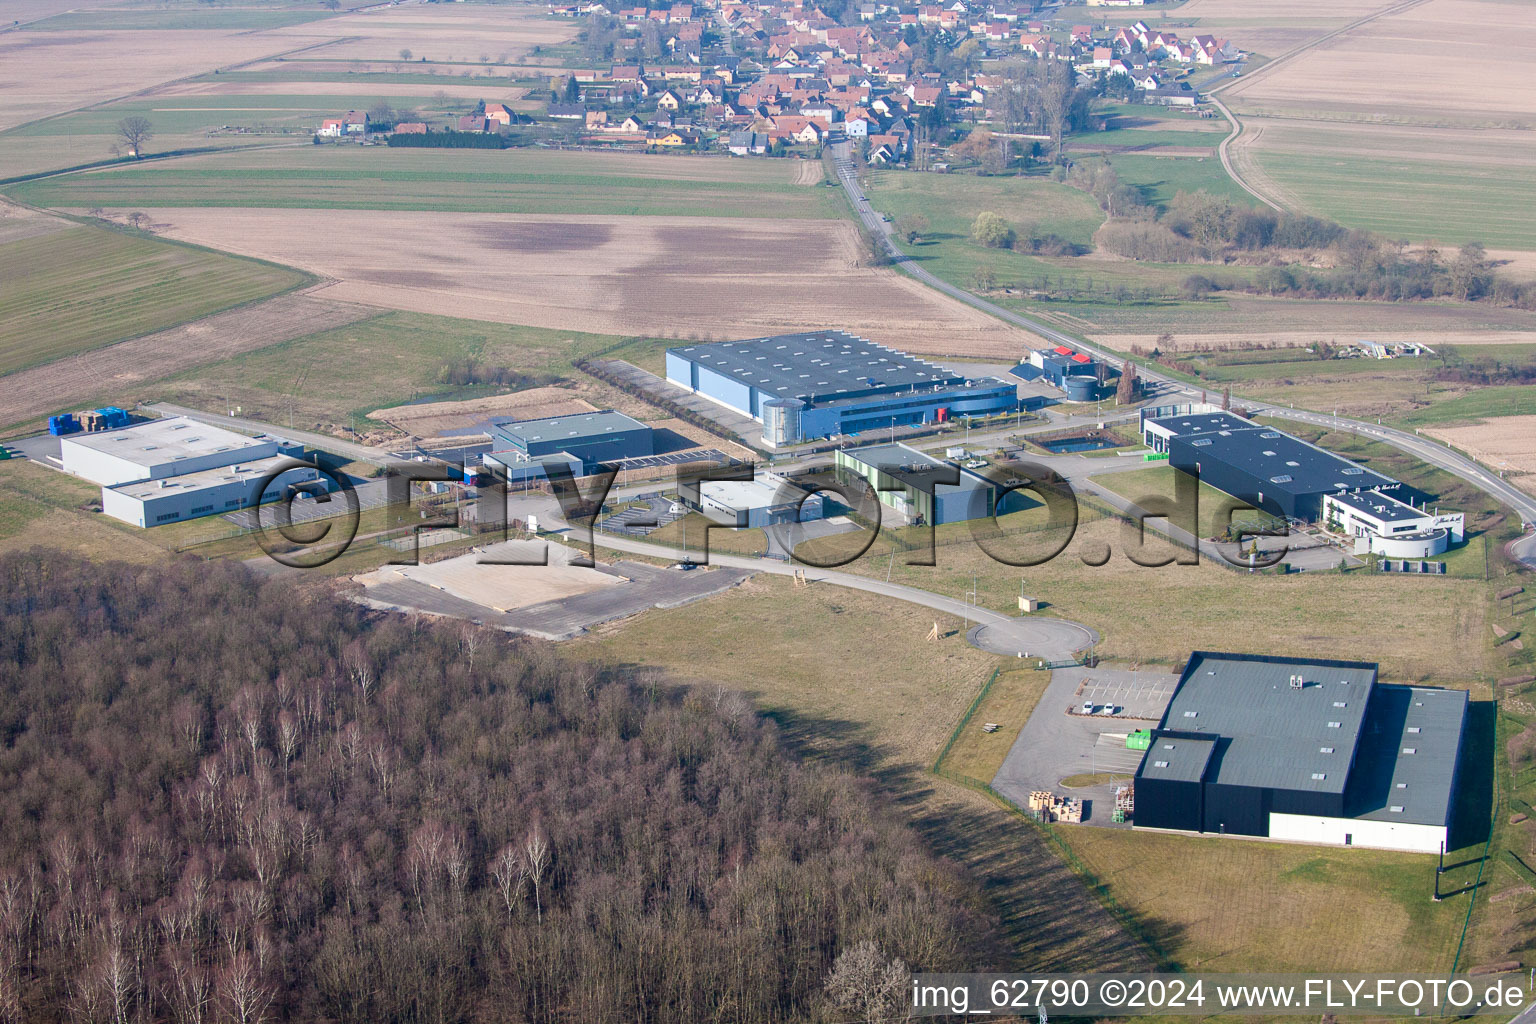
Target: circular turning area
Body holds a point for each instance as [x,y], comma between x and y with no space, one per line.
[1050,639]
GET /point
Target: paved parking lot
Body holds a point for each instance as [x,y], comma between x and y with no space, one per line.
[1058,741]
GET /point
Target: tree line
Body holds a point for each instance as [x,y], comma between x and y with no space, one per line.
[1308,257]
[226,800]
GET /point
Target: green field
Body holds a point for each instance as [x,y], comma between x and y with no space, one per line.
[1033,206]
[84,288]
[1160,178]
[195,122]
[1126,138]
[341,375]
[506,181]
[1430,200]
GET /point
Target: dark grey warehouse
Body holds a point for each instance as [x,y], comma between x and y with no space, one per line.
[1313,751]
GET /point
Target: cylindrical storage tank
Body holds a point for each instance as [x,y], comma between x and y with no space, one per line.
[781,421]
[1081,388]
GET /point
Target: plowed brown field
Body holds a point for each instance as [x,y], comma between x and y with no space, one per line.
[698,277]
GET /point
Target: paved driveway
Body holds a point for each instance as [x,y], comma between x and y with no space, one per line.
[1059,741]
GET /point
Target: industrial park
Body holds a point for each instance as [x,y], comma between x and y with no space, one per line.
[766,512]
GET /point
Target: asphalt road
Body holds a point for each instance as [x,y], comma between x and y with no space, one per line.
[1168,387]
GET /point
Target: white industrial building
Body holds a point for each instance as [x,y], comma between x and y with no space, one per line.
[763,501]
[159,449]
[205,493]
[1384,525]
[177,468]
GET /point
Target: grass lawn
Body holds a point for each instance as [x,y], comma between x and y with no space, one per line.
[1416,631]
[1009,702]
[1507,400]
[1158,481]
[951,203]
[502,181]
[85,287]
[1160,177]
[1240,905]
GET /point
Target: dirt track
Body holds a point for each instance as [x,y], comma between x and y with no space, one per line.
[697,278]
[32,394]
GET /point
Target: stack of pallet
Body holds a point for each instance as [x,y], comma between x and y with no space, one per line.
[1047,806]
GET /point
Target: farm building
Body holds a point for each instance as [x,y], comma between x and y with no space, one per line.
[1270,469]
[1312,751]
[1382,524]
[763,501]
[206,492]
[160,449]
[910,482]
[589,438]
[829,383]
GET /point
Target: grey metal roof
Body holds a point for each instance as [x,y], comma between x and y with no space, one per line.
[1280,461]
[1425,721]
[567,428]
[1178,758]
[1280,737]
[916,469]
[1380,506]
[818,365]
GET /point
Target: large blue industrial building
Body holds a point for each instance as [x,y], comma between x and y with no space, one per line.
[830,383]
[524,448]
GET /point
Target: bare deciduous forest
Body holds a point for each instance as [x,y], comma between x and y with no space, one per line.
[221,800]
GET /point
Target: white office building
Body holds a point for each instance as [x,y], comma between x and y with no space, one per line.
[763,501]
[207,492]
[1382,524]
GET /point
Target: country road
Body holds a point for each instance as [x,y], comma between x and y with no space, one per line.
[1432,452]
[1224,149]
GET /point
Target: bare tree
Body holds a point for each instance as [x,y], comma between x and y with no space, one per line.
[405,54]
[135,131]
[536,862]
[507,873]
[244,995]
[862,981]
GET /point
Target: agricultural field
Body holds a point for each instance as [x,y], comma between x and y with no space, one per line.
[1406,391]
[1471,61]
[1430,185]
[82,288]
[114,374]
[464,181]
[50,72]
[166,64]
[647,276]
[1338,131]
[1266,30]
[340,376]
[1507,443]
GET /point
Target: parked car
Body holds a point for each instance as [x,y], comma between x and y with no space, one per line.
[1088,707]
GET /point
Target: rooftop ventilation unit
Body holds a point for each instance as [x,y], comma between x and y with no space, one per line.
[1298,682]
